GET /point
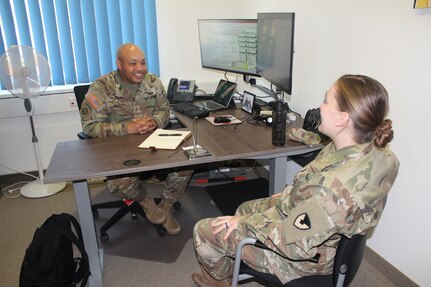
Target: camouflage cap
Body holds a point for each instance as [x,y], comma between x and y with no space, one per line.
[301,135]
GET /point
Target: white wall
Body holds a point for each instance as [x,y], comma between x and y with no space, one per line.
[54,120]
[385,39]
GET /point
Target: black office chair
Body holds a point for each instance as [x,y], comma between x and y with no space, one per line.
[348,258]
[124,206]
[80,92]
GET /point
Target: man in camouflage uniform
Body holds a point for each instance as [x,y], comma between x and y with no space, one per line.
[128,101]
[342,192]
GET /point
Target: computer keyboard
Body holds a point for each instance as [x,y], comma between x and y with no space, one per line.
[190,110]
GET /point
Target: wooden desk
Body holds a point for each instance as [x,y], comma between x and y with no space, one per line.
[80,160]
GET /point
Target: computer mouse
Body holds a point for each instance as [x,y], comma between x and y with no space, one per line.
[218,120]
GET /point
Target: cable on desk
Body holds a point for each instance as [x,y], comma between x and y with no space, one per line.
[235,127]
[179,148]
[202,92]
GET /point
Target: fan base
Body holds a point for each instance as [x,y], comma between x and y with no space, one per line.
[36,189]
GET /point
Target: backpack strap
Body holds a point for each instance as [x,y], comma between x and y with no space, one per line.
[83,271]
[28,273]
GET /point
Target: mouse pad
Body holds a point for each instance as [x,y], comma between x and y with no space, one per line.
[233,120]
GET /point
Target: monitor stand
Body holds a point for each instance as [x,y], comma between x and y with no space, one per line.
[232,104]
[266,91]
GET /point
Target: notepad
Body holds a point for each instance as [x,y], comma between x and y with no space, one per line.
[165,139]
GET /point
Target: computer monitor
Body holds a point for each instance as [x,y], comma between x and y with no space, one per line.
[275,35]
[229,45]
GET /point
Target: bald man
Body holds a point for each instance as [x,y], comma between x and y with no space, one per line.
[130,101]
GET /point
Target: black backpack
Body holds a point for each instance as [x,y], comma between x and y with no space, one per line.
[49,260]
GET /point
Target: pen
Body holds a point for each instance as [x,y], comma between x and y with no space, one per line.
[170,135]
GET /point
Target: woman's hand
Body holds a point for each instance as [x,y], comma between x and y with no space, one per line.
[230,223]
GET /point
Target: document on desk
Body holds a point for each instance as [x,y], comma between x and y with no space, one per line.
[165,139]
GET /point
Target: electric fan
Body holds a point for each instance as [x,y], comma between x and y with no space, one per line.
[26,74]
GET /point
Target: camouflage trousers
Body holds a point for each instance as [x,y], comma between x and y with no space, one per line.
[217,255]
[131,187]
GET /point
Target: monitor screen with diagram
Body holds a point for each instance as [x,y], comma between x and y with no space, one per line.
[229,45]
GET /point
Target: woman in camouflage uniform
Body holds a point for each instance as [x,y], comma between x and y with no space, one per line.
[342,192]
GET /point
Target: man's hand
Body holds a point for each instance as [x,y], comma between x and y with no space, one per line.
[141,125]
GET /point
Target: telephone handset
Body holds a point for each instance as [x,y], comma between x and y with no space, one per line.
[181,90]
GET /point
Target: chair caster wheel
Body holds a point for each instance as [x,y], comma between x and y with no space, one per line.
[95,213]
[177,205]
[104,237]
[161,230]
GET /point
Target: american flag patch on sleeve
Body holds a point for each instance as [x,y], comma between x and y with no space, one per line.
[95,102]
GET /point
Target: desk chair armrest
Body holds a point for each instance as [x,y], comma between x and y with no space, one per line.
[238,255]
[259,244]
[253,241]
[341,276]
[83,136]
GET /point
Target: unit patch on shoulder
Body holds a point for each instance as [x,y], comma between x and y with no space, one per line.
[307,220]
[85,110]
[302,222]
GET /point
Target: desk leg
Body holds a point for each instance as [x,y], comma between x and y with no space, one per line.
[277,174]
[83,204]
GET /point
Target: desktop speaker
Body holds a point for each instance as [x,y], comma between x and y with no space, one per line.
[279,117]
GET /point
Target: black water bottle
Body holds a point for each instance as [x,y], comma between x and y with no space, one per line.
[279,115]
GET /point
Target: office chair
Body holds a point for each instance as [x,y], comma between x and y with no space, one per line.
[124,206]
[80,92]
[348,257]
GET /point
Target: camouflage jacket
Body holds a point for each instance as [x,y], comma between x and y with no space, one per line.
[109,105]
[341,192]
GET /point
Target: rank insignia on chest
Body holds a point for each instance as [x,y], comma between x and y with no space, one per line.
[137,110]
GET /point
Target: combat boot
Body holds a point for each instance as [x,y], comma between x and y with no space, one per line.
[171,225]
[204,279]
[152,211]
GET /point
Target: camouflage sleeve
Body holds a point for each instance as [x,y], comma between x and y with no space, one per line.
[95,117]
[306,226]
[162,111]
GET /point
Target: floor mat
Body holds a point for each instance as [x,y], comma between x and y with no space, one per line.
[137,238]
[228,197]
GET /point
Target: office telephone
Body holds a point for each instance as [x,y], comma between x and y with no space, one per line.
[181,90]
